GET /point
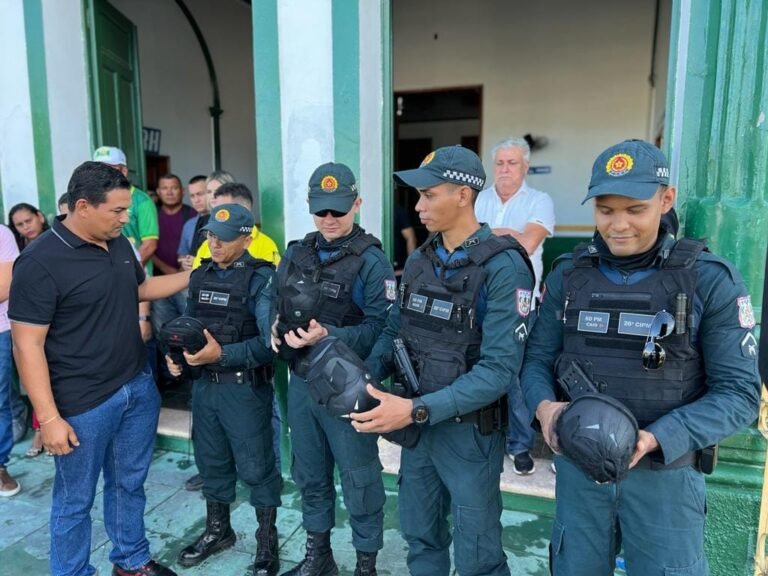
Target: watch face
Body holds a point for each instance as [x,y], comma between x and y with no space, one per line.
[420,415]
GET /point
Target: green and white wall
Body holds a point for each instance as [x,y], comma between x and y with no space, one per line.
[323,94]
[44,117]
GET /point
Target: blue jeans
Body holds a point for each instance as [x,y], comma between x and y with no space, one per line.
[520,434]
[116,437]
[6,415]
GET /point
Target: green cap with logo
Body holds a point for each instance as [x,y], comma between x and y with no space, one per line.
[229,222]
[332,186]
[633,168]
[454,164]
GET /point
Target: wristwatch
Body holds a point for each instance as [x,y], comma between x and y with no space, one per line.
[420,412]
[143,317]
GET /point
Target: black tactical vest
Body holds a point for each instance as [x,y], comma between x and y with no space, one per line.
[606,326]
[311,288]
[437,314]
[221,304]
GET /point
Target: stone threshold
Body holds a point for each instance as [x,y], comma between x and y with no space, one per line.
[174,424]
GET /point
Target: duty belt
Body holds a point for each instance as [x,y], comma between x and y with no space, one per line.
[651,462]
[259,375]
[489,418]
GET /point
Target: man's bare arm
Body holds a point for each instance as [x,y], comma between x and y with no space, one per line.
[530,238]
[146,249]
[156,287]
[29,353]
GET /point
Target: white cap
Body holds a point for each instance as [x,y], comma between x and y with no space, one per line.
[110,155]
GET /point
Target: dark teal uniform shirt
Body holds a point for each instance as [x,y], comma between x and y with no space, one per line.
[501,349]
[723,334]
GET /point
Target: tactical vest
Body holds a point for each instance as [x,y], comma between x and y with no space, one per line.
[606,326]
[322,289]
[221,304]
[438,314]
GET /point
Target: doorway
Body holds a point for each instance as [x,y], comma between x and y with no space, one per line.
[426,120]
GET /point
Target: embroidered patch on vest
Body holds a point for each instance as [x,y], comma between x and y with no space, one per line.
[596,322]
[214,298]
[417,303]
[441,309]
[635,324]
[330,289]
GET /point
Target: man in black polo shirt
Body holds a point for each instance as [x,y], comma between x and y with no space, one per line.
[79,351]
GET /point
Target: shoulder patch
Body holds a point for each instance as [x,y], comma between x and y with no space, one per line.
[390,290]
[523,298]
[746,313]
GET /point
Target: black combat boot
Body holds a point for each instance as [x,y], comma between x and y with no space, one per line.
[218,535]
[366,564]
[318,560]
[267,562]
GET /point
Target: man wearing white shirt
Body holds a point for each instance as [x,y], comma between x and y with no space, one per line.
[512,207]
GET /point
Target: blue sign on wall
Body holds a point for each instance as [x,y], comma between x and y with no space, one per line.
[540,170]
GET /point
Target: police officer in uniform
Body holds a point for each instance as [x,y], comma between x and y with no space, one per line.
[232,400]
[463,308]
[666,328]
[338,282]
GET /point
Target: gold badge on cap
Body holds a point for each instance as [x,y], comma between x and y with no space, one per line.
[429,157]
[222,215]
[619,164]
[329,184]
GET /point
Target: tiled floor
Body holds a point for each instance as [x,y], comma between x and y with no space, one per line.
[174,517]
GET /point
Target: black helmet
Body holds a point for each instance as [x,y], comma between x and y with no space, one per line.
[180,334]
[337,378]
[598,433]
[298,302]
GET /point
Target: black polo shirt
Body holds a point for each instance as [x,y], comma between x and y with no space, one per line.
[89,298]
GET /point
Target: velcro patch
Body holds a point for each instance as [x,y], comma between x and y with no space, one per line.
[596,322]
[746,314]
[390,290]
[523,302]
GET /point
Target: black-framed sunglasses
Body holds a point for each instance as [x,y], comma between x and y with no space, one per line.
[654,355]
[333,213]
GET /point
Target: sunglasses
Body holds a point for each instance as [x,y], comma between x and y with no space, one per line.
[333,213]
[654,355]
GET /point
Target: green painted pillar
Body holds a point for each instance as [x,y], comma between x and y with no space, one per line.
[322,75]
[717,140]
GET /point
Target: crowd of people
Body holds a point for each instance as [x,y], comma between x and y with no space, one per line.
[481,347]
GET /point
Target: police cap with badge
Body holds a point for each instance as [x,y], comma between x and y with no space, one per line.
[633,168]
[228,222]
[454,164]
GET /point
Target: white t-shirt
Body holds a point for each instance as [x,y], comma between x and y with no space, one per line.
[528,205]
[8,253]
